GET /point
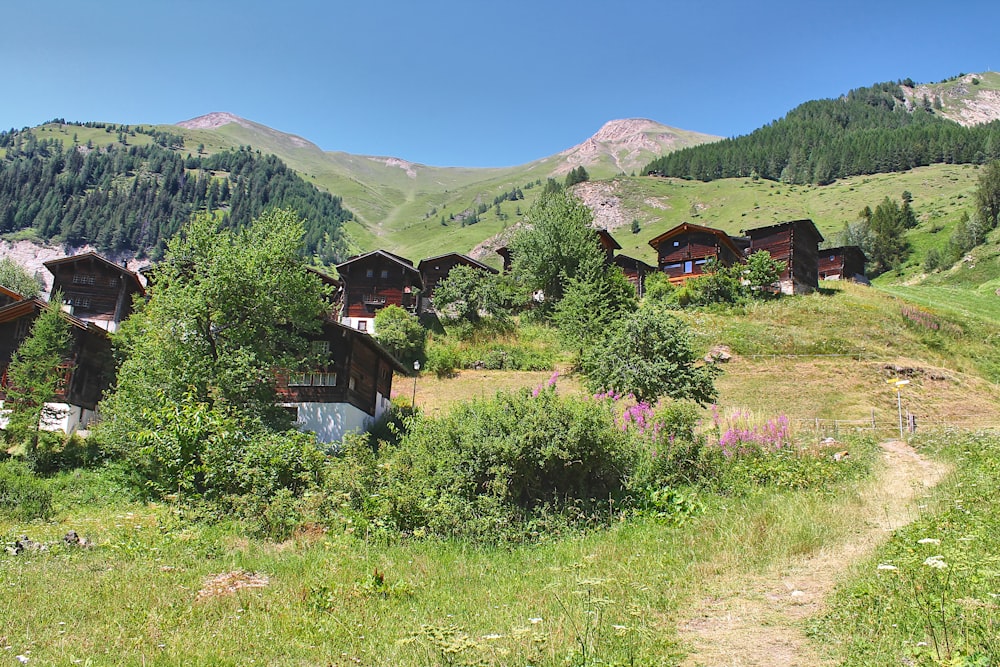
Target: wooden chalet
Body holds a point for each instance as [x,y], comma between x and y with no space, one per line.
[435,269]
[95,289]
[347,390]
[843,263]
[89,366]
[796,243]
[375,280]
[683,251]
[635,270]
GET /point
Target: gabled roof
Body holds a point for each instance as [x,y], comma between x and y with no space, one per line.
[366,339]
[125,273]
[687,227]
[627,262]
[325,277]
[19,309]
[844,250]
[607,240]
[11,294]
[758,231]
[465,259]
[402,261]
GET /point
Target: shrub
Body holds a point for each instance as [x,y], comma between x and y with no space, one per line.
[491,468]
[649,354]
[443,359]
[23,496]
[400,333]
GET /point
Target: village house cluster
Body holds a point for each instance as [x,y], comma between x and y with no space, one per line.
[352,387]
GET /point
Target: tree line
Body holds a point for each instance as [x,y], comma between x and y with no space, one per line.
[870,130]
[132,199]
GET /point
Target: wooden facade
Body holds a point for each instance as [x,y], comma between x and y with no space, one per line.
[796,243]
[635,270]
[683,251]
[354,368]
[435,269]
[843,263]
[95,289]
[89,364]
[375,280]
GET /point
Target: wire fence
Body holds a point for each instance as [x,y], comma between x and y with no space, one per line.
[886,428]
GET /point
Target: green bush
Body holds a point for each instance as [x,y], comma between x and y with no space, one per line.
[490,469]
[443,359]
[23,496]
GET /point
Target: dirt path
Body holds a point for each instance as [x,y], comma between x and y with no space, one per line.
[761,622]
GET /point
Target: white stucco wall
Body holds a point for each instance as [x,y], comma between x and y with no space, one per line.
[353,323]
[69,419]
[332,421]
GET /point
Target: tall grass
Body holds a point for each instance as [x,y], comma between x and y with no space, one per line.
[931,595]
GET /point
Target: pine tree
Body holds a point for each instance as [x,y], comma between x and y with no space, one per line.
[35,374]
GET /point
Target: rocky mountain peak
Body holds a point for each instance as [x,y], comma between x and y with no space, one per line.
[214,120]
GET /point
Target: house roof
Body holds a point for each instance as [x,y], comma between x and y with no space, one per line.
[402,261]
[465,259]
[372,343]
[325,277]
[72,259]
[11,293]
[19,309]
[607,240]
[687,227]
[627,262]
[757,231]
[399,259]
[844,250]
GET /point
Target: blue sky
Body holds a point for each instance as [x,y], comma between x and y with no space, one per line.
[466,83]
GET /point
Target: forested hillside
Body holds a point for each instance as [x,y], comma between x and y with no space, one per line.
[132,198]
[869,130]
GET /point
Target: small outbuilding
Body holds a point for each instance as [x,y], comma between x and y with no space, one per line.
[796,243]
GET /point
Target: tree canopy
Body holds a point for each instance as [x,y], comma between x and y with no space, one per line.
[226,309]
[557,241]
[649,354]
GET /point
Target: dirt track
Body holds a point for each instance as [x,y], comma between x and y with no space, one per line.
[762,623]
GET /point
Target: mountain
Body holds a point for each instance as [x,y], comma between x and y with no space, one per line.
[877,129]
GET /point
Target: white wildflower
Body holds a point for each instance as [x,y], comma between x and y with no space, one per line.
[23,659]
[534,621]
[936,562]
[929,540]
[886,566]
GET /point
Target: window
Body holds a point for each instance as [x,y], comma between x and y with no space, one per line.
[320,347]
[362,325]
[688,266]
[370,273]
[676,265]
[78,301]
[676,243]
[312,380]
[84,278]
[385,273]
[352,383]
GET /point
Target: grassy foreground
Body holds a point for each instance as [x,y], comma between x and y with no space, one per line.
[161,587]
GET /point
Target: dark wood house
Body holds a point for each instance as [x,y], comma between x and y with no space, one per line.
[635,270]
[347,391]
[375,280]
[843,263]
[796,243]
[683,251]
[95,289]
[89,366]
[435,269]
